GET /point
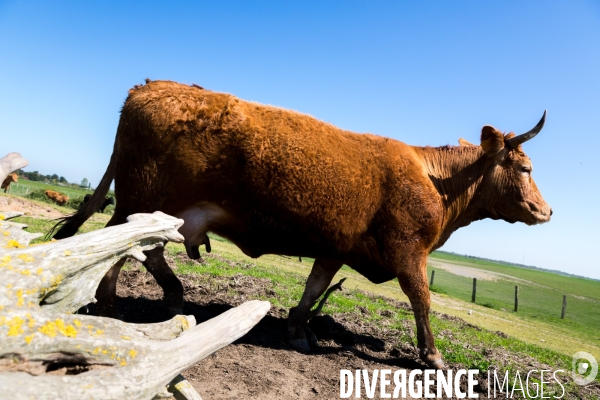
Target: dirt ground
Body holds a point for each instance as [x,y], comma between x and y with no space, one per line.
[28,208]
[261,365]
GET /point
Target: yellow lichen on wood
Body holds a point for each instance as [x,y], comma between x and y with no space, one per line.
[20,300]
[15,326]
[13,244]
[51,328]
[56,280]
[99,332]
[48,329]
[132,353]
[184,322]
[26,257]
[65,330]
[28,339]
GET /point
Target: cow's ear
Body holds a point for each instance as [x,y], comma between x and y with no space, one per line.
[492,141]
[465,143]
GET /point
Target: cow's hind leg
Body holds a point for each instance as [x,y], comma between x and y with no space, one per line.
[319,279]
[173,289]
[106,293]
[416,286]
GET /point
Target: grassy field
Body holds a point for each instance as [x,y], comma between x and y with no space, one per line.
[540,295]
[24,187]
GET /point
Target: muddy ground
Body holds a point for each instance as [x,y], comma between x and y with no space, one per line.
[261,365]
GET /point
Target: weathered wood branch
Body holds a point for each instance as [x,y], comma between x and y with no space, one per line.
[40,284]
[63,275]
[141,369]
[11,162]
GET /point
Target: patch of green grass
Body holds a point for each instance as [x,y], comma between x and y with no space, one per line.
[39,225]
[35,190]
[437,289]
[535,301]
[579,286]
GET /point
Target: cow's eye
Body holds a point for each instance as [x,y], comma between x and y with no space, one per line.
[526,169]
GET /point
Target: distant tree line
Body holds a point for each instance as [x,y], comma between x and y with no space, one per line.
[36,176]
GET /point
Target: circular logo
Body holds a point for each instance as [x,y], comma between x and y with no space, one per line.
[585,368]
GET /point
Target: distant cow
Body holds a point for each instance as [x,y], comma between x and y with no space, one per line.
[8,180]
[58,198]
[107,202]
[280,182]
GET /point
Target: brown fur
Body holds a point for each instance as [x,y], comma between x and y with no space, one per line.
[277,181]
[58,198]
[8,180]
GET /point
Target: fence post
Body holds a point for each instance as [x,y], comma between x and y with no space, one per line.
[474,290]
[432,276]
[564,307]
[516,298]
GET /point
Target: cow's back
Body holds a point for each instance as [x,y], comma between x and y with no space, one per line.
[180,145]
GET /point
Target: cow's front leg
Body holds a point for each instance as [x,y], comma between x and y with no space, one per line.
[413,281]
[171,285]
[319,279]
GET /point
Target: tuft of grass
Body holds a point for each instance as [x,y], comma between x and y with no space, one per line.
[437,289]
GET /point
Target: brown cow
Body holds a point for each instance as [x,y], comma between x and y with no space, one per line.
[10,178]
[58,198]
[277,181]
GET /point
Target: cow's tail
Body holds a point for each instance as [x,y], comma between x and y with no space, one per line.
[68,226]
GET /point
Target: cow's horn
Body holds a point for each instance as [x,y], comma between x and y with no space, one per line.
[517,140]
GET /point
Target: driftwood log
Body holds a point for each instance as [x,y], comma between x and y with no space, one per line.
[47,352]
[11,162]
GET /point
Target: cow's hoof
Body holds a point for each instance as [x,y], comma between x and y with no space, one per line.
[437,363]
[300,345]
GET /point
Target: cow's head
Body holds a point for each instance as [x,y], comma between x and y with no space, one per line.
[510,190]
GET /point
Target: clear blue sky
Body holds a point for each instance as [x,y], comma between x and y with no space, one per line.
[425,73]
